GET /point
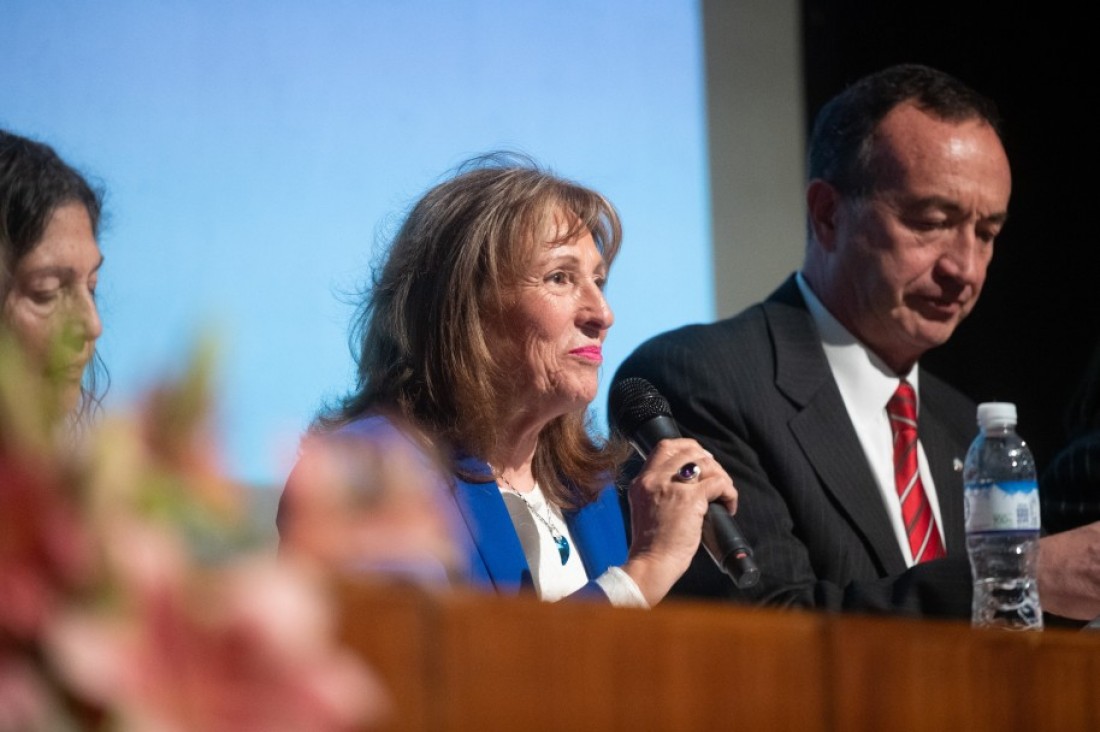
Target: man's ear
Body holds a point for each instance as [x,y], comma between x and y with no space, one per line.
[822,206]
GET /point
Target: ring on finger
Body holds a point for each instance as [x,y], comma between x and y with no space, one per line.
[688,473]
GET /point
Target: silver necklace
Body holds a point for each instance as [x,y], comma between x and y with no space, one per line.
[559,539]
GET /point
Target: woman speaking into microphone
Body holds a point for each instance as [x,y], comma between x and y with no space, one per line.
[480,342]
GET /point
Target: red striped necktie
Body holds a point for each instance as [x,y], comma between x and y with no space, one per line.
[916,511]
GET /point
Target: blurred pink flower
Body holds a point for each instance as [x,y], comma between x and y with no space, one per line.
[45,551]
[176,430]
[134,595]
[361,506]
[25,699]
[249,646]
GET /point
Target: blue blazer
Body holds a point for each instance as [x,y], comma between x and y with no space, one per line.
[494,555]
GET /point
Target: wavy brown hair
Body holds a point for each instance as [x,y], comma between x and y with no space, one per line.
[419,335]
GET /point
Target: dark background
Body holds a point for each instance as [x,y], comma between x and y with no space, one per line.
[1029,339]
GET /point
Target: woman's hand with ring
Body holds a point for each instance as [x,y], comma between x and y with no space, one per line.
[688,472]
[668,500]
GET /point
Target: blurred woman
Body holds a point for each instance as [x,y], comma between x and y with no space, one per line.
[49,266]
[1069,487]
[481,341]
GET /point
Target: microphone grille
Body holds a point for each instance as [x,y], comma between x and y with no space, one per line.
[633,402]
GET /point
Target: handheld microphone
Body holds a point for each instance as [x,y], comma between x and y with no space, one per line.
[644,417]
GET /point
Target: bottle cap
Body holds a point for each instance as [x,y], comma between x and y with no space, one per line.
[996,414]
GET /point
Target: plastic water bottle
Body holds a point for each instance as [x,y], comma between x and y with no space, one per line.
[1001,501]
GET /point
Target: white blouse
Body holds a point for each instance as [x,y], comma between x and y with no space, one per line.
[552,578]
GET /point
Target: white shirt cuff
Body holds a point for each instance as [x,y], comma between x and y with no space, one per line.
[621,589]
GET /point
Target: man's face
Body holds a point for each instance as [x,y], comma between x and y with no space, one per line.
[904,265]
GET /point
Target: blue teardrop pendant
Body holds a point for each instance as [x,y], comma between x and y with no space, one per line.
[563,548]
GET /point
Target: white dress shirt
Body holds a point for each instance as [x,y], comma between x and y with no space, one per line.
[866,384]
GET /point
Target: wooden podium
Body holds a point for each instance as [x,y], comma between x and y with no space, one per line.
[475,662]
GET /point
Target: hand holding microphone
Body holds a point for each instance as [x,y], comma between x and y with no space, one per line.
[644,417]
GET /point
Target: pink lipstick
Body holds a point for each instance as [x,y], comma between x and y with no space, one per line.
[589,353]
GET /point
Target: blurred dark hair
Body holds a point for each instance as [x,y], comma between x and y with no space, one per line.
[841,141]
[419,336]
[1083,415]
[1069,486]
[35,182]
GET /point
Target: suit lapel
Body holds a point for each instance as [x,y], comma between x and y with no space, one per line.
[822,427]
[945,452]
[597,530]
[490,526]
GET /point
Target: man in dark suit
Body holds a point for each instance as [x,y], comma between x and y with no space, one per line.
[805,398]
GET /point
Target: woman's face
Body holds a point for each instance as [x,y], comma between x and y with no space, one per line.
[50,304]
[552,333]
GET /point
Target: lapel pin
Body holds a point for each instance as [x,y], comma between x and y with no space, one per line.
[957,465]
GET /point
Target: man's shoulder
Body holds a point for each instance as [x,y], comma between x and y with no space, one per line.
[938,393]
[949,409]
[752,322]
[716,360]
[728,338]
[748,322]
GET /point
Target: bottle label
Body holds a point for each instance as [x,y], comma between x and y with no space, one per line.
[1011,505]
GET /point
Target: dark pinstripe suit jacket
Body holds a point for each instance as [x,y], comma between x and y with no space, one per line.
[757,392]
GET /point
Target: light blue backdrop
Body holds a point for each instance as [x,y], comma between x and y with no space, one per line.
[255,152]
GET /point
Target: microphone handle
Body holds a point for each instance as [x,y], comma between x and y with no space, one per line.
[728,547]
[722,537]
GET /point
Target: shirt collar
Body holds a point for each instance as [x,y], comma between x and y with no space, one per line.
[864,379]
